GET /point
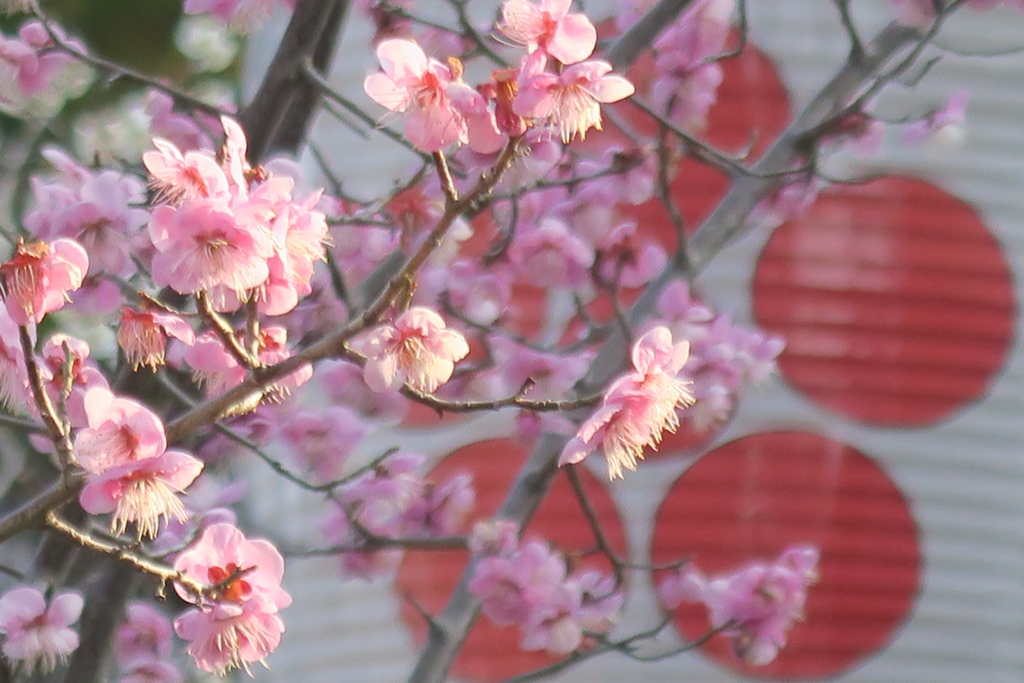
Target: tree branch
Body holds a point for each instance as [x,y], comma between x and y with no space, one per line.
[281,109]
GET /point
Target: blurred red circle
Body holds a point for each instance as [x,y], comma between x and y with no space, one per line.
[751,498]
[895,301]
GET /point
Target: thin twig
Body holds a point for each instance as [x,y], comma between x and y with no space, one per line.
[225,333]
[150,566]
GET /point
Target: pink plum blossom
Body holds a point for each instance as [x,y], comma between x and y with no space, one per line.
[548,26]
[686,75]
[552,375]
[37,634]
[686,317]
[755,606]
[218,370]
[228,636]
[443,508]
[481,292]
[143,335]
[412,81]
[212,365]
[392,500]
[101,210]
[494,537]
[482,132]
[569,101]
[321,441]
[223,550]
[512,588]
[180,130]
[553,628]
[150,671]
[344,385]
[299,236]
[273,342]
[145,634]
[142,492]
[548,254]
[38,277]
[626,260]
[417,349]
[240,624]
[202,245]
[638,407]
[14,388]
[119,431]
[528,587]
[35,78]
[177,177]
[64,361]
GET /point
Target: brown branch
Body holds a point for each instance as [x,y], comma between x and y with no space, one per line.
[225,333]
[642,34]
[55,420]
[375,542]
[148,565]
[444,174]
[282,107]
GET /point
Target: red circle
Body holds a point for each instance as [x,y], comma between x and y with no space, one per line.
[895,301]
[751,498]
[492,653]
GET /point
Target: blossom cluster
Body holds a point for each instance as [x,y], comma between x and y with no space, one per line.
[237,240]
[392,500]
[529,586]
[35,78]
[130,471]
[229,229]
[754,606]
[687,76]
[103,211]
[724,357]
[444,110]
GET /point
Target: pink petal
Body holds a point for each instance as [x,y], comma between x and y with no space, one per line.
[557,9]
[178,470]
[100,495]
[535,99]
[381,374]
[574,40]
[65,609]
[402,60]
[20,604]
[98,402]
[386,92]
[432,129]
[611,89]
